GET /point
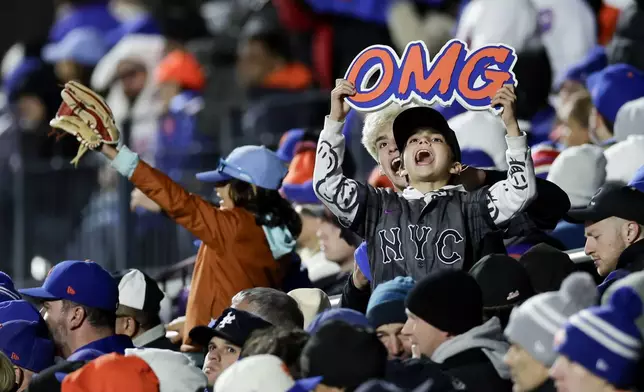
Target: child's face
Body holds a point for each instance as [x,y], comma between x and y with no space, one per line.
[427,157]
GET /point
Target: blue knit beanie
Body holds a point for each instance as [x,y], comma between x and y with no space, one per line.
[605,339]
[387,302]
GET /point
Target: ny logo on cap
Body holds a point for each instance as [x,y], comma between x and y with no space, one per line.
[228,319]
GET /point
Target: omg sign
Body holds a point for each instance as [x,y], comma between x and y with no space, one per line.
[472,78]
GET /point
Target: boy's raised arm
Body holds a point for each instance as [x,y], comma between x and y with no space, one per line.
[512,195]
[339,193]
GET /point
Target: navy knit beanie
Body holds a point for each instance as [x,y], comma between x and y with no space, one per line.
[449,300]
[387,302]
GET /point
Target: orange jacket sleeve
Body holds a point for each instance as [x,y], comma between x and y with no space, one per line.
[203,219]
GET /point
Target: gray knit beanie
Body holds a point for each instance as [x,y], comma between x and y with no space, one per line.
[533,324]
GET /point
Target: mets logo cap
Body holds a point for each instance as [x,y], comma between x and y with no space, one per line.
[83,282]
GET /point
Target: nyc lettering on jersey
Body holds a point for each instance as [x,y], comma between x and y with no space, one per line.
[392,249]
[470,77]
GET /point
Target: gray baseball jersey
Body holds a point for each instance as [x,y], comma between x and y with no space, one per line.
[412,234]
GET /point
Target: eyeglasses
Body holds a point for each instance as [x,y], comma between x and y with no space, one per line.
[234,171]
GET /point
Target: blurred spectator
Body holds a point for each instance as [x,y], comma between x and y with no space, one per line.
[127,71]
[567,40]
[224,338]
[180,144]
[285,344]
[445,322]
[580,171]
[75,56]
[575,78]
[610,89]
[138,313]
[590,358]
[311,302]
[134,18]
[82,14]
[272,305]
[407,23]
[175,371]
[547,267]
[614,231]
[532,327]
[505,284]
[338,245]
[386,313]
[264,63]
[344,355]
[574,115]
[476,158]
[484,22]
[627,44]
[79,300]
[625,157]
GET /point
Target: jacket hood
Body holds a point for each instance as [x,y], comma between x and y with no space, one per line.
[488,337]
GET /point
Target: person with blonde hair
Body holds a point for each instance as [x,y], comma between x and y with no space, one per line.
[7,374]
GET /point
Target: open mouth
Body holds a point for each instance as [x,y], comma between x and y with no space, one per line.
[424,157]
[395,164]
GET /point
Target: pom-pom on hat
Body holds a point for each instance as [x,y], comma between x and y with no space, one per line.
[605,339]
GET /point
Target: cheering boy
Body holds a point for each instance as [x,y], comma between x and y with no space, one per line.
[435,223]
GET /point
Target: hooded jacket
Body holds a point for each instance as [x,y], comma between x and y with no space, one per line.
[476,358]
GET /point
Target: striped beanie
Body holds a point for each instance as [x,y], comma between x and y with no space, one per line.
[604,339]
[533,325]
[543,155]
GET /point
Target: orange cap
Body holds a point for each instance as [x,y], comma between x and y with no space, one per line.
[378,180]
[112,373]
[182,68]
[301,168]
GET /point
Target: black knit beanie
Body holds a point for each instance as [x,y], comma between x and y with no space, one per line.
[449,300]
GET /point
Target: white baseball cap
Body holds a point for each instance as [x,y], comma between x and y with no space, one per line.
[266,373]
[139,291]
[311,302]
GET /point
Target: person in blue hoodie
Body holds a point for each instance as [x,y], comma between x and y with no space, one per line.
[79,301]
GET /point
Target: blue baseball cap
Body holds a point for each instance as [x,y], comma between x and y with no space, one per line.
[24,344]
[638,180]
[256,165]
[595,61]
[7,289]
[83,282]
[286,150]
[613,86]
[84,46]
[300,193]
[19,310]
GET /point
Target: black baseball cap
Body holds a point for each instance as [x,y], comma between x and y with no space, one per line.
[233,325]
[611,200]
[409,121]
[344,355]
